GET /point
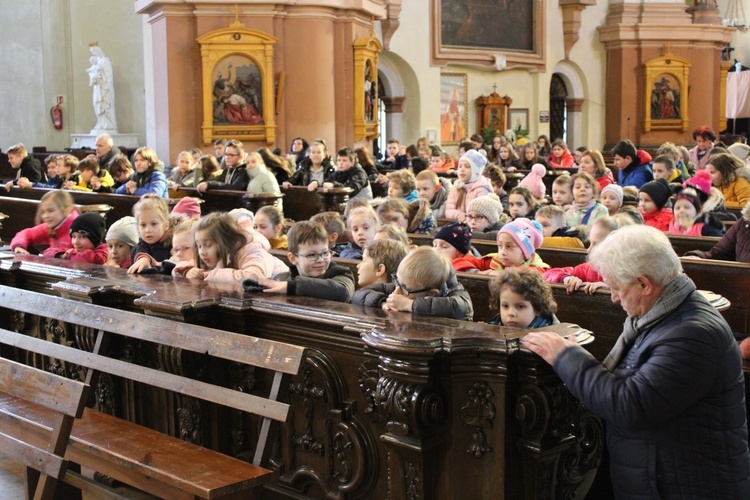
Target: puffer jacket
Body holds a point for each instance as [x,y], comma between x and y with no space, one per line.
[674,406]
[734,245]
[454,302]
[480,187]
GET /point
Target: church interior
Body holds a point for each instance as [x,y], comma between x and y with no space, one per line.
[380,405]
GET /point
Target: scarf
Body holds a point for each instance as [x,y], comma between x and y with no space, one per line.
[673,295]
[577,207]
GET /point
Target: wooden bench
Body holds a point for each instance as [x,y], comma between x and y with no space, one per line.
[64,399]
[143,458]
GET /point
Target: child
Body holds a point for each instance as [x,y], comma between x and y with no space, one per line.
[395,156]
[497,180]
[652,200]
[628,215]
[86,235]
[207,169]
[562,191]
[425,284]
[470,184]
[55,215]
[349,174]
[379,261]
[314,169]
[530,156]
[312,274]
[146,179]
[711,198]
[732,177]
[155,243]
[402,184]
[28,167]
[224,253]
[335,229]
[524,298]
[517,243]
[53,180]
[485,217]
[612,198]
[431,189]
[262,180]
[362,223]
[269,221]
[183,172]
[453,241]
[556,233]
[121,171]
[521,203]
[592,162]
[439,163]
[91,177]
[672,151]
[415,217]
[585,208]
[689,219]
[535,181]
[121,238]
[584,275]
[183,241]
[560,156]
[664,168]
[508,159]
[395,233]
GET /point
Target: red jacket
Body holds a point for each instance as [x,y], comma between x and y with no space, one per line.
[98,255]
[566,161]
[659,219]
[58,237]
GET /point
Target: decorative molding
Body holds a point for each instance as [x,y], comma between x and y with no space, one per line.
[478,412]
[393,104]
[575,105]
[571,16]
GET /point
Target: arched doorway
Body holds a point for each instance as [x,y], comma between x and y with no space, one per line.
[558,112]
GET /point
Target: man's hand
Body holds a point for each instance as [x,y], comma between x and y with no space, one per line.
[548,345]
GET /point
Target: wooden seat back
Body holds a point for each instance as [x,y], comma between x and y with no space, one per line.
[64,396]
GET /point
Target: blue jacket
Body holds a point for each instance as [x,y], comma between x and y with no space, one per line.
[156,184]
[635,175]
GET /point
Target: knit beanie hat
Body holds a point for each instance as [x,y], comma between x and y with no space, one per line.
[528,234]
[456,234]
[659,191]
[615,189]
[701,182]
[690,195]
[187,206]
[125,230]
[488,205]
[477,161]
[91,225]
[534,181]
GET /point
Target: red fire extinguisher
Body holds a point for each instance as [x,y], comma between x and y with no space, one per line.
[57,115]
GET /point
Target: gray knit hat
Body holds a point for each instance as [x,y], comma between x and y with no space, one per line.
[488,205]
[125,230]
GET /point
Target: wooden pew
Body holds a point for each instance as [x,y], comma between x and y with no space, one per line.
[143,458]
[377,396]
[64,399]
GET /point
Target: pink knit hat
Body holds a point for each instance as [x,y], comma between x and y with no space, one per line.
[534,181]
[701,182]
[187,207]
[528,234]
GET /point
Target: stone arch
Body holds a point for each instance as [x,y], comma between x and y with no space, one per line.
[572,76]
[399,81]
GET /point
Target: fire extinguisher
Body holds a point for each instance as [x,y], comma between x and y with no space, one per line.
[57,115]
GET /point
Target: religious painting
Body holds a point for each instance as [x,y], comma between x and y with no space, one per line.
[237,92]
[519,121]
[454,119]
[665,100]
[366,50]
[238,85]
[488,33]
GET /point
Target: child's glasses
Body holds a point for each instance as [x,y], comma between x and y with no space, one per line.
[475,217]
[406,291]
[312,256]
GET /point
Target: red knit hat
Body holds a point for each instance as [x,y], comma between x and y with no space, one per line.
[701,182]
[189,207]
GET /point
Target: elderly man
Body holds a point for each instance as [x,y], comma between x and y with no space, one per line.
[105,150]
[672,389]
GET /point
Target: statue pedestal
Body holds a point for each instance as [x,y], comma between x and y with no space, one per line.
[89,140]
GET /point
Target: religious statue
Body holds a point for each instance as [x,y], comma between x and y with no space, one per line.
[101,79]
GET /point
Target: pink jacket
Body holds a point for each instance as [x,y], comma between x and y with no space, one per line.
[479,187]
[253,261]
[58,238]
[585,272]
[98,255]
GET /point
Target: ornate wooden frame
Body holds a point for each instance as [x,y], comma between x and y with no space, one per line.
[448,82]
[366,51]
[236,40]
[442,55]
[655,72]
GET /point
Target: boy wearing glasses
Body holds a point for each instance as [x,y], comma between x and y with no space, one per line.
[311,273]
[425,283]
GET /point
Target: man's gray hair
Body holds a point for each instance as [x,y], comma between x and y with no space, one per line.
[106,137]
[636,250]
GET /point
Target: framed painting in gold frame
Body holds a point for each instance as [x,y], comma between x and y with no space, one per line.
[665,102]
[238,87]
[454,109]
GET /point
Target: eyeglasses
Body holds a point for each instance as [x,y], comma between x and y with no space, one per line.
[312,256]
[406,291]
[475,217]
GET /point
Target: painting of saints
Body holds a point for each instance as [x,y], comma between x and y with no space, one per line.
[451,121]
[665,98]
[238,101]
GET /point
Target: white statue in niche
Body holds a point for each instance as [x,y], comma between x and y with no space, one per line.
[101,78]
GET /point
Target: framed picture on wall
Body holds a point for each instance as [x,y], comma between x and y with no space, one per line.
[454,118]
[519,120]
